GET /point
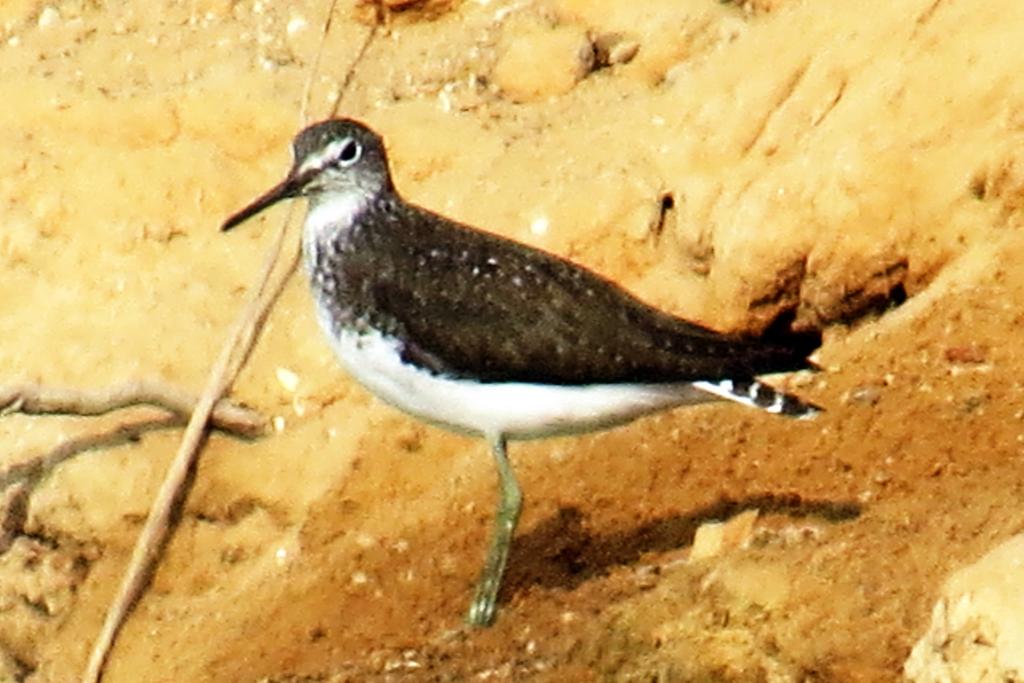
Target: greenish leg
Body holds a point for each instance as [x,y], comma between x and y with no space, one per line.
[510,501]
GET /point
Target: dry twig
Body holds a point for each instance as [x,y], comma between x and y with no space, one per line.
[230,361]
[34,399]
[18,481]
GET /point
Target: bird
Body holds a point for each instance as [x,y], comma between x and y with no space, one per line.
[486,336]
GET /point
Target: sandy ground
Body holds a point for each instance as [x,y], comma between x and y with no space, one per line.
[728,162]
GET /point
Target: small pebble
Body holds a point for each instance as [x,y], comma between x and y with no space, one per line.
[715,538]
[867,395]
[614,48]
[48,17]
[540,225]
[971,353]
[288,379]
[296,24]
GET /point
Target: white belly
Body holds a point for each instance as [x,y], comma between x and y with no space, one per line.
[514,409]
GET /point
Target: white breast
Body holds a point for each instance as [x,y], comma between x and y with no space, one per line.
[334,211]
[514,409]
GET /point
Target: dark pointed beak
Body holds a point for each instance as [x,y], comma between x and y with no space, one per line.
[286,189]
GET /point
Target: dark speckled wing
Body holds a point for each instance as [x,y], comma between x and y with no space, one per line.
[474,305]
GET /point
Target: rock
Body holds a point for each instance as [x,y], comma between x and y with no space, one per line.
[542,62]
[967,354]
[715,538]
[864,394]
[614,48]
[977,626]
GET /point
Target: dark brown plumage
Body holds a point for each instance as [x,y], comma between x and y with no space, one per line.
[473,305]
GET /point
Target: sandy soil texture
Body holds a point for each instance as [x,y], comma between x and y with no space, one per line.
[730,162]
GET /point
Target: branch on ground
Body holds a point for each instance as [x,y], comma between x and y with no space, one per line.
[33,399]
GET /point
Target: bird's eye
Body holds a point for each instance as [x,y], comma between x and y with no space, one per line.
[350,153]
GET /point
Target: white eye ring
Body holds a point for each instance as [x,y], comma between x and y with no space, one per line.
[350,152]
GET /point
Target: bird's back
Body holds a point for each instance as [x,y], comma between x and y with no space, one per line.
[475,305]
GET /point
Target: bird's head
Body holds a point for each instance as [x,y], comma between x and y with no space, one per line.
[334,158]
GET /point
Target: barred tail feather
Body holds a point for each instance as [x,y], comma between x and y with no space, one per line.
[753,393]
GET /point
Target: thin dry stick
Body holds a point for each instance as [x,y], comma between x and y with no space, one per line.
[158,523]
[157,527]
[37,467]
[18,481]
[34,469]
[35,399]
